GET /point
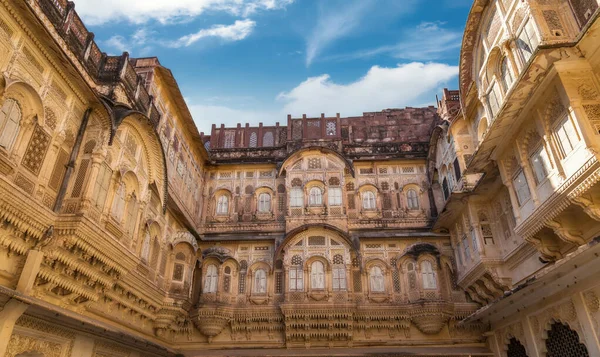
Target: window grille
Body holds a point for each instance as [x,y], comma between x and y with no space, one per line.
[515,349]
[564,342]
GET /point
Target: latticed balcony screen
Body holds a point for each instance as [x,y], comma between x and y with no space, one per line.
[515,349]
[564,342]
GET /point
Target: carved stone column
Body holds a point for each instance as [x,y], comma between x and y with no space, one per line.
[8,317]
[98,158]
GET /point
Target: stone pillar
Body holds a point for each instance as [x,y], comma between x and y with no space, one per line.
[8,317]
[530,341]
[587,325]
[97,160]
[30,271]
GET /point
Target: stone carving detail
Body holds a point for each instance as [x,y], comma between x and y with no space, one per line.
[542,322]
[210,321]
[36,150]
[19,344]
[591,301]
[184,236]
[587,91]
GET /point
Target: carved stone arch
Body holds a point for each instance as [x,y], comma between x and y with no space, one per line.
[157,162]
[327,263]
[184,237]
[132,183]
[341,236]
[515,331]
[435,262]
[321,151]
[376,261]
[258,265]
[29,99]
[402,262]
[219,253]
[573,325]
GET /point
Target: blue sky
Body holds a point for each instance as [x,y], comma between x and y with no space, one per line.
[259,60]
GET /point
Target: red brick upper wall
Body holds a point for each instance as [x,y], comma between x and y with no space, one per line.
[408,125]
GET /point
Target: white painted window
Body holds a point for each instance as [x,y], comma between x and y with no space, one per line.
[296,278]
[296,197]
[10,118]
[260,282]
[315,197]
[264,203]
[223,205]
[566,135]
[540,163]
[102,185]
[369,201]
[212,277]
[335,196]
[339,278]
[376,279]
[521,187]
[527,41]
[429,281]
[506,74]
[412,199]
[317,275]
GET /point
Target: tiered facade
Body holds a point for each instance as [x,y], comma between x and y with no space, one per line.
[464,230]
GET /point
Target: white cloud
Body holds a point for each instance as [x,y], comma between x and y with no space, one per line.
[426,42]
[118,43]
[97,12]
[238,31]
[412,84]
[404,85]
[333,23]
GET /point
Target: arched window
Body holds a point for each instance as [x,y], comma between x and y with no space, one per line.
[369,201]
[268,139]
[296,274]
[413,199]
[296,197]
[317,275]
[264,203]
[506,74]
[223,205]
[212,277]
[563,341]
[260,282]
[515,349]
[10,117]
[376,279]
[428,274]
[119,202]
[339,273]
[315,197]
[253,140]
